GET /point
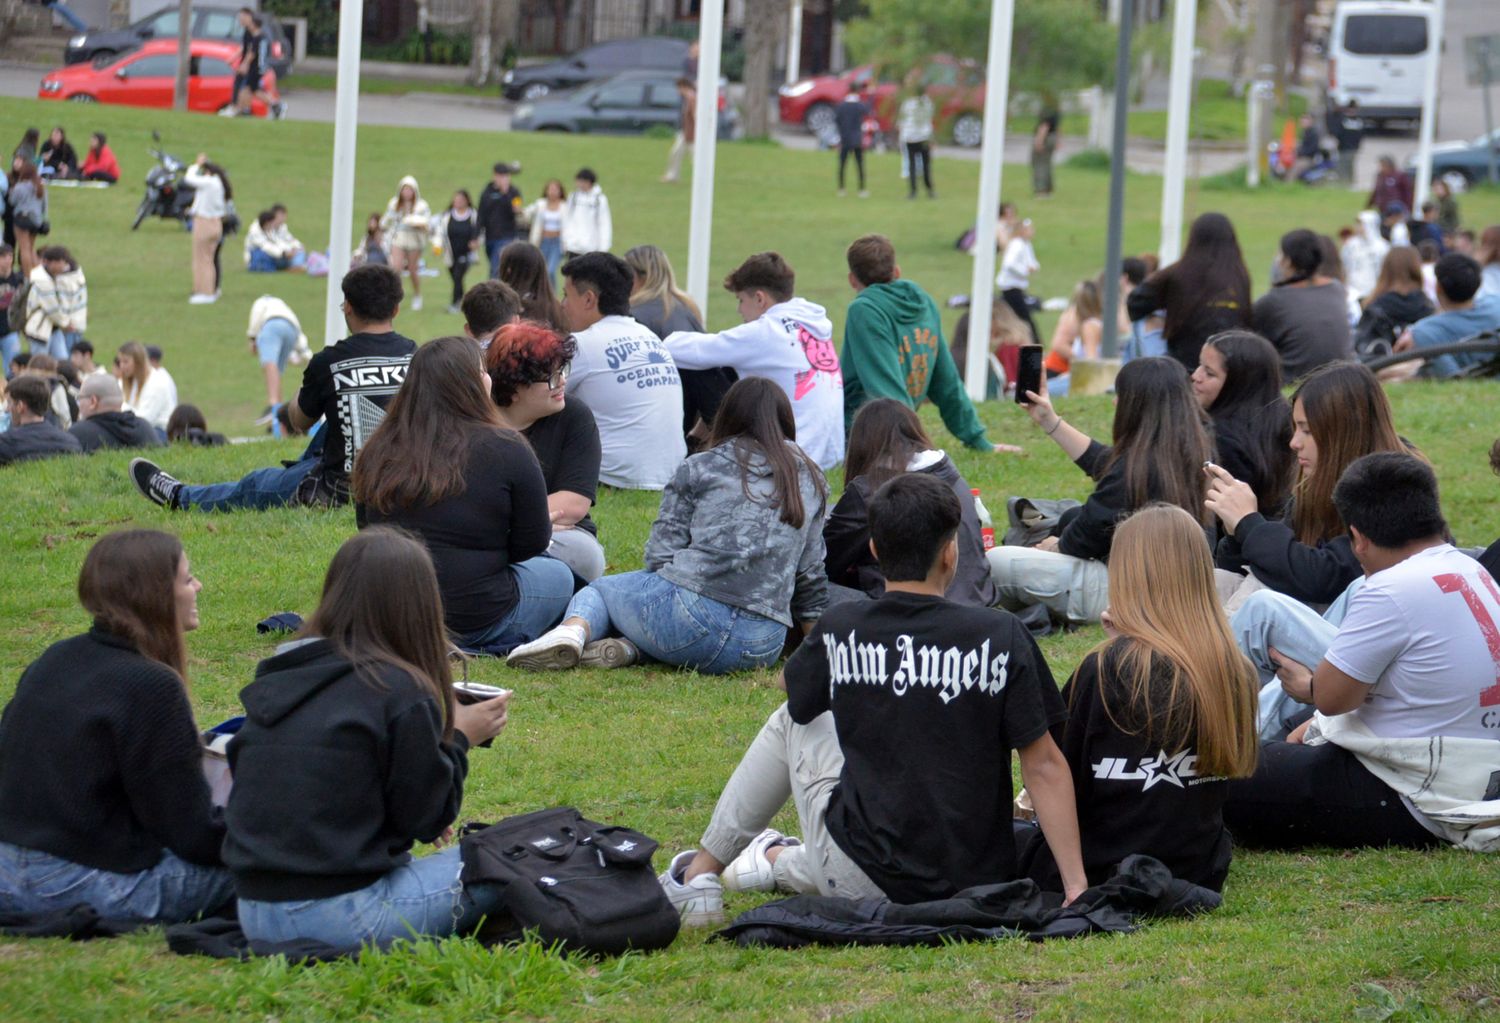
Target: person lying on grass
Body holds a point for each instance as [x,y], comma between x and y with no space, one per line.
[894,743]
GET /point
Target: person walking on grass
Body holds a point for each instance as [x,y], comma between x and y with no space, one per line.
[406,224]
[914,130]
[849,117]
[499,206]
[900,770]
[549,224]
[1043,145]
[458,232]
[588,225]
[687,93]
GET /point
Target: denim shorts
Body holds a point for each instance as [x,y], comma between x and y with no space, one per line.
[275,341]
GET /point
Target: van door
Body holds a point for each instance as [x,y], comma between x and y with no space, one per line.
[1379,60]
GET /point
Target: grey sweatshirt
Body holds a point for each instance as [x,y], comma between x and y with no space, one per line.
[708,538]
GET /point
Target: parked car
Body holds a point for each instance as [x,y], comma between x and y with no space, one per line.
[146,76]
[1467,160]
[955,86]
[209,22]
[628,103]
[643,53]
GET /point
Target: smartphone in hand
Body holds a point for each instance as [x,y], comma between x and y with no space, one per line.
[1029,373]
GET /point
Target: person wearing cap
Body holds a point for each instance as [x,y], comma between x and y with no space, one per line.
[499,204]
[1394,224]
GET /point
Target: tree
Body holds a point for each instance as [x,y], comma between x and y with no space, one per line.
[763,31]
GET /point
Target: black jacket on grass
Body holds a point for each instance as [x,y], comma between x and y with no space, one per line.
[114,430]
[336,775]
[1313,575]
[101,763]
[36,440]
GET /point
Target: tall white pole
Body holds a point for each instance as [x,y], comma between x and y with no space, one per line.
[794,44]
[706,126]
[982,290]
[345,121]
[1429,106]
[1179,110]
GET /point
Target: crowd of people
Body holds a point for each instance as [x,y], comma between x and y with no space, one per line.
[1288,623]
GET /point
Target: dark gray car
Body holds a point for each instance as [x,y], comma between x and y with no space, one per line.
[627,104]
[590,64]
[209,22]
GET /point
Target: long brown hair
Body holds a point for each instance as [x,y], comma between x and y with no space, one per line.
[1160,436]
[1178,677]
[524,268]
[1489,246]
[883,438]
[1211,273]
[755,415]
[140,368]
[129,584]
[1400,271]
[1349,417]
[418,453]
[381,607]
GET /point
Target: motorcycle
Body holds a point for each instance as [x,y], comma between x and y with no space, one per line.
[1323,170]
[167,195]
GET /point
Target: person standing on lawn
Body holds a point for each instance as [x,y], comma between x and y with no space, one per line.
[687,93]
[407,223]
[587,225]
[458,232]
[212,194]
[1043,145]
[849,117]
[914,129]
[498,205]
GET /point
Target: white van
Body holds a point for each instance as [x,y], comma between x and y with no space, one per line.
[1377,56]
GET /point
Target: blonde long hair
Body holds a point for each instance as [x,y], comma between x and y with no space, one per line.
[655,279]
[133,380]
[1164,605]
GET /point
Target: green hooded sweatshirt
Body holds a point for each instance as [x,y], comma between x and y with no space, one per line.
[894,348]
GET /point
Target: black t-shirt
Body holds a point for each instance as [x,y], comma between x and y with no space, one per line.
[498,520]
[567,446]
[497,211]
[1133,795]
[929,699]
[350,384]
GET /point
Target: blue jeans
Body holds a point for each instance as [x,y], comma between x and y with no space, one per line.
[10,347]
[1143,343]
[59,345]
[677,626]
[552,250]
[255,491]
[424,896]
[1269,619]
[172,891]
[275,341]
[262,262]
[492,247]
[543,588]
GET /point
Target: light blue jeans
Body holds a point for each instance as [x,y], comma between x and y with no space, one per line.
[1269,619]
[543,588]
[277,338]
[170,892]
[59,345]
[677,626]
[422,897]
[10,347]
[552,251]
[1143,343]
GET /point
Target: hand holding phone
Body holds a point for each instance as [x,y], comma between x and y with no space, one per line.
[1028,373]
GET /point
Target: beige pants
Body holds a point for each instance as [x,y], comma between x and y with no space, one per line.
[1071,588]
[207,233]
[674,157]
[802,762]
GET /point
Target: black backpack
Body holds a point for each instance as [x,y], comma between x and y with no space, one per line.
[585,885]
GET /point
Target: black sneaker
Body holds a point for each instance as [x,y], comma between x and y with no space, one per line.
[155,486]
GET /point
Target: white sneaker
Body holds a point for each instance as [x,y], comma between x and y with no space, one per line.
[751,871]
[700,902]
[416,303]
[201,300]
[558,648]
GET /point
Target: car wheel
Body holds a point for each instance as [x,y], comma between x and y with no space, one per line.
[536,90]
[968,130]
[820,121]
[81,97]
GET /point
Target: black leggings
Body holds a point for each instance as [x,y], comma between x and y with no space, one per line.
[458,271]
[218,273]
[859,164]
[1318,795]
[918,151]
[1016,299]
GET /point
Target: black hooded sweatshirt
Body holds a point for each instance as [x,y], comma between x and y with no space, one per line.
[114,430]
[336,775]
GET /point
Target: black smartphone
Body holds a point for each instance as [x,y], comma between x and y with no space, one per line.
[1029,373]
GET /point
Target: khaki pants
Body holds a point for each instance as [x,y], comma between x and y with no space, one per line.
[207,233]
[802,762]
[674,157]
[1071,588]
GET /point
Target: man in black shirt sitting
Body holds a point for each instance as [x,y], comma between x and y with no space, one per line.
[30,435]
[348,385]
[895,742]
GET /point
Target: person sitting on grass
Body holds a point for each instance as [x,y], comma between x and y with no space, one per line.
[352,751]
[1463,312]
[149,392]
[443,467]
[188,425]
[1158,451]
[528,369]
[734,560]
[784,338]
[82,358]
[29,398]
[270,245]
[99,163]
[103,800]
[1160,715]
[1401,748]
[894,742]
[894,347]
[1238,383]
[103,423]
[886,441]
[348,384]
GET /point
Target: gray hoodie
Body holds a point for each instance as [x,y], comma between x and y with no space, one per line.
[708,538]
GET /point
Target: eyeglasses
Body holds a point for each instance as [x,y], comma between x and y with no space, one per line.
[559,376]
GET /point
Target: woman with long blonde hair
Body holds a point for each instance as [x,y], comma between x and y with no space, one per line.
[1162,713]
[657,302]
[149,394]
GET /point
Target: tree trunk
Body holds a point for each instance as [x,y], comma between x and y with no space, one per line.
[185,56]
[1301,11]
[762,32]
[482,60]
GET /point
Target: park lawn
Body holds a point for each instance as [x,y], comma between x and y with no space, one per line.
[1218,116]
[1314,935]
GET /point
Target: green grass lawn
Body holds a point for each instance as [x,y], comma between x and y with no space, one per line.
[1305,936]
[1218,116]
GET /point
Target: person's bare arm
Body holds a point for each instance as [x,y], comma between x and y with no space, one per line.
[567,508]
[1325,687]
[300,420]
[1039,407]
[1045,774]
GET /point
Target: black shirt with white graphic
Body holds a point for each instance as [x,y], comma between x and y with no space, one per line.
[350,384]
[929,698]
[1135,794]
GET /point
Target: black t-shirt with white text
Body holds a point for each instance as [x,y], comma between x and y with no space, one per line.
[929,698]
[1134,796]
[350,384]
[567,446]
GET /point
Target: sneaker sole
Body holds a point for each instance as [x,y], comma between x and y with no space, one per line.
[609,653]
[711,918]
[558,658]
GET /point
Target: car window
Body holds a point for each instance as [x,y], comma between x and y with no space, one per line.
[219,25]
[939,73]
[162,26]
[666,96]
[618,53]
[1385,35]
[212,67]
[621,94]
[157,65]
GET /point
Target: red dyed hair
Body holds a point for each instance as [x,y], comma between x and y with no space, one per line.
[525,353]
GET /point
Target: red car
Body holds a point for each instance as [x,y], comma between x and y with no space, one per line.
[956,87]
[144,77]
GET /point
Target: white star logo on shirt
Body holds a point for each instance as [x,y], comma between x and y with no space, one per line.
[1163,768]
